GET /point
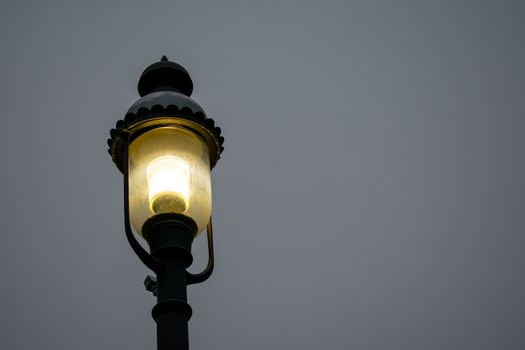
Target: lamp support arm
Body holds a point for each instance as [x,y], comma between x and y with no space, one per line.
[208,270]
[151,262]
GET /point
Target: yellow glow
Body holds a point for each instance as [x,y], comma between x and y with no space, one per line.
[168,185]
[169,172]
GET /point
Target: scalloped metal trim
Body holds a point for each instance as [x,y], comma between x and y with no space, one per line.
[157,111]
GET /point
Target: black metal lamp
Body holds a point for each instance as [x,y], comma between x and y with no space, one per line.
[166,147]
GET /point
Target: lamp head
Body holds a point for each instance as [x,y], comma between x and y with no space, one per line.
[172,147]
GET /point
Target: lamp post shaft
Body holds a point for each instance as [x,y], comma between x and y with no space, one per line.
[170,242]
[172,312]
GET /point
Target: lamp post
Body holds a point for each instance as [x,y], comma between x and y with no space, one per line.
[166,147]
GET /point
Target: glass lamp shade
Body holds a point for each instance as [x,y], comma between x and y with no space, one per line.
[169,172]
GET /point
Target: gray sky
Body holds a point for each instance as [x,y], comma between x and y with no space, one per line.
[371,194]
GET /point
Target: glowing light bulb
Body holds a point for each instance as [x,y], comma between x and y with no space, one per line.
[168,185]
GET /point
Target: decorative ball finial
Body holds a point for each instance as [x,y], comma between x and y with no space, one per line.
[165,76]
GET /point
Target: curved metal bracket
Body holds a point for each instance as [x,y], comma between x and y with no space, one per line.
[146,258]
[204,275]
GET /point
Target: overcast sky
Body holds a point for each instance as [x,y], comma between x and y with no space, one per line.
[371,194]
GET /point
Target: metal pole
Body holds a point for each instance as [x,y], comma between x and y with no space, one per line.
[170,237]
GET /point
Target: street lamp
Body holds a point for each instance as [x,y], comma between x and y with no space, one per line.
[166,147]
